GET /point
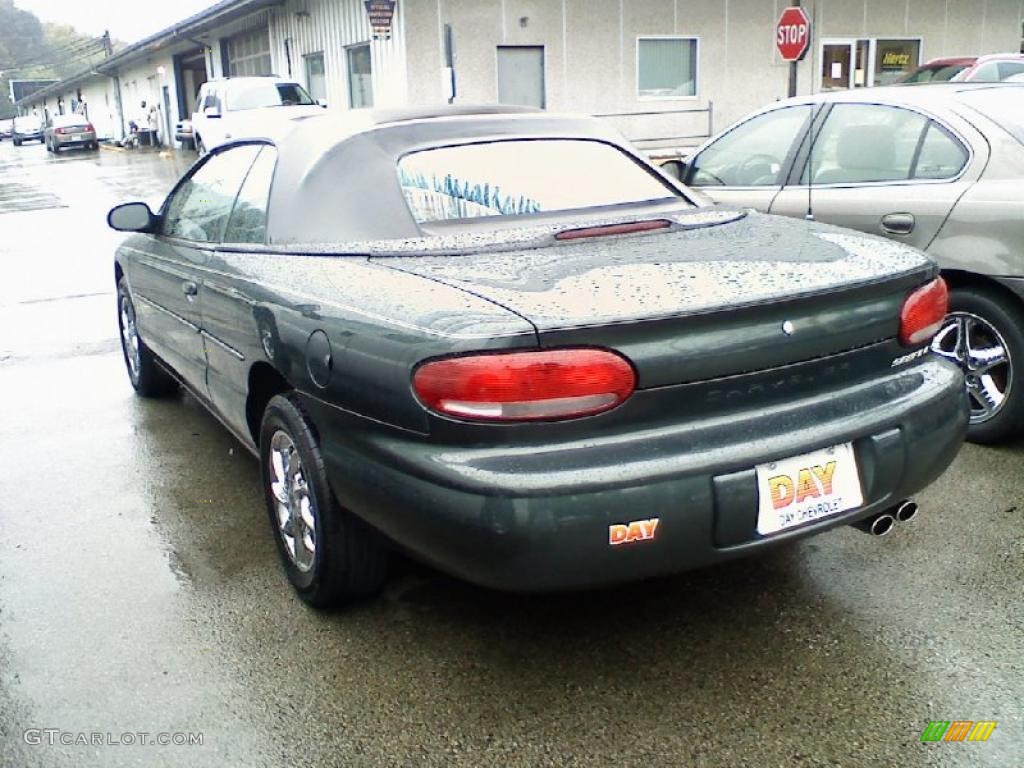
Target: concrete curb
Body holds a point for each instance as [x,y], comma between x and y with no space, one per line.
[159,151]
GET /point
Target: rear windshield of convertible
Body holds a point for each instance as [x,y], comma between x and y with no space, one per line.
[524,176]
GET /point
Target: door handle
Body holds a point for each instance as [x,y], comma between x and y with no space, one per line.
[189,288]
[898,223]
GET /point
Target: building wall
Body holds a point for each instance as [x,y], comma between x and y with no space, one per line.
[98,95]
[591,45]
[216,37]
[144,80]
[101,106]
[590,49]
[329,26]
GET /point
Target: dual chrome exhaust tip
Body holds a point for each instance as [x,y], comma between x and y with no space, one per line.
[882,523]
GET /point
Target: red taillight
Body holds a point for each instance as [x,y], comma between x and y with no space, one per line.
[89,128]
[613,229]
[59,131]
[923,313]
[525,386]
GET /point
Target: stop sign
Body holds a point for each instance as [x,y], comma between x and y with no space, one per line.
[793,33]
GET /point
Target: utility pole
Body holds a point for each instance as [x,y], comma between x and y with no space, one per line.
[108,49]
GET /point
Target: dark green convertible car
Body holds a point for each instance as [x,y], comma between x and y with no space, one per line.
[503,343]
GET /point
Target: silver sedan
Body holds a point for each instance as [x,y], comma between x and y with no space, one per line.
[69,131]
[939,167]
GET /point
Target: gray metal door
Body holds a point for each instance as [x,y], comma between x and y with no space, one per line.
[521,75]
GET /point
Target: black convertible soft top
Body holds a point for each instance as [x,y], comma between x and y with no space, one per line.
[337,180]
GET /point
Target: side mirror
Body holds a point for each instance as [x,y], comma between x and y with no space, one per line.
[322,103]
[131,217]
[677,169]
[211,112]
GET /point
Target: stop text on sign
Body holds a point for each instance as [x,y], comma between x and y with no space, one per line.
[792,34]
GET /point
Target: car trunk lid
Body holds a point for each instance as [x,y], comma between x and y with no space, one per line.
[696,304]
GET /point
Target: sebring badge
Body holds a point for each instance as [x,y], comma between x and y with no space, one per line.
[788,328]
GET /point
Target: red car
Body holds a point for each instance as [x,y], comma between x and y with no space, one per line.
[992,68]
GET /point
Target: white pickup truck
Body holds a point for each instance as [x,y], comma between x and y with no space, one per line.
[246,107]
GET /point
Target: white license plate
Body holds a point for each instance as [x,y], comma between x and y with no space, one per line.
[77,138]
[805,488]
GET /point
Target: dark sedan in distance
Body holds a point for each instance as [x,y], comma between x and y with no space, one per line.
[502,342]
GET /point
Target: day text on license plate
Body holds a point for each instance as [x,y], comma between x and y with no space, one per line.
[805,488]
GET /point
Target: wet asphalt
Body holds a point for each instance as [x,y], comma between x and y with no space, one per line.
[140,590]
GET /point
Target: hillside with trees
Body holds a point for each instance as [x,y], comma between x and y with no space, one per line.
[30,48]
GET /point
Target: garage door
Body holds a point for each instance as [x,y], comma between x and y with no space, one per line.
[248,53]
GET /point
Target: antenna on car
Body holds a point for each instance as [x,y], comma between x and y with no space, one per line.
[810,169]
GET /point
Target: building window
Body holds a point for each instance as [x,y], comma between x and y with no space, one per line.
[249,54]
[894,59]
[666,67]
[316,81]
[360,76]
[867,61]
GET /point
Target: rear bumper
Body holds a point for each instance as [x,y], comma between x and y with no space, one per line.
[28,136]
[537,517]
[84,139]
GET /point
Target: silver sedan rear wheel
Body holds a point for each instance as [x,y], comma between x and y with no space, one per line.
[981,352]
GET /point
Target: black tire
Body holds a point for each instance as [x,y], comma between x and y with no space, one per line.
[350,559]
[17,143]
[1006,316]
[49,148]
[200,147]
[147,377]
[55,148]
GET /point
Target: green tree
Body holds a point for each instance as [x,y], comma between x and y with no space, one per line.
[30,49]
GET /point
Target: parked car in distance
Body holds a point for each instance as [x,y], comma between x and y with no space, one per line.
[64,131]
[183,133]
[992,68]
[26,128]
[246,107]
[939,168]
[505,342]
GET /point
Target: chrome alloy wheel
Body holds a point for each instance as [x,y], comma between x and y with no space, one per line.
[130,337]
[296,511]
[979,349]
